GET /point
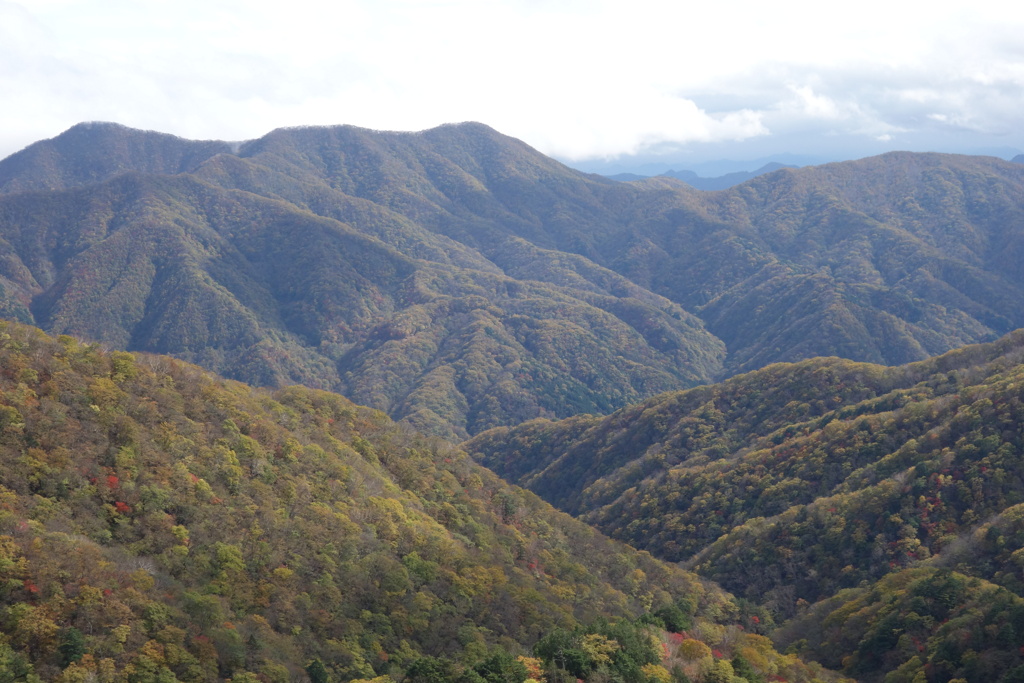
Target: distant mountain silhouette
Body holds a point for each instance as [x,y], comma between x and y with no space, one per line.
[701,183]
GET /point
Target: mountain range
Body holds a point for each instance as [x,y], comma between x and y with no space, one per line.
[460,280]
[805,387]
[271,267]
[699,182]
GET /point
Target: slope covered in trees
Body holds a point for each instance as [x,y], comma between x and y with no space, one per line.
[888,259]
[94,152]
[793,483]
[266,291]
[474,282]
[913,625]
[158,523]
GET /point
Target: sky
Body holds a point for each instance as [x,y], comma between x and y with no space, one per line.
[594,83]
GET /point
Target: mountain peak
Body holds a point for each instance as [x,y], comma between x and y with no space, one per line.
[96,125]
[94,151]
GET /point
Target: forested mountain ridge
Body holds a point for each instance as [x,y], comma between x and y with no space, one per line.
[793,483]
[390,313]
[888,260]
[159,523]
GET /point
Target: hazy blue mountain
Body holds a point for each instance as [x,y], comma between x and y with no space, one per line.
[649,165]
[701,183]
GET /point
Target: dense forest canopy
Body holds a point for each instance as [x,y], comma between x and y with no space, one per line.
[159,523]
[818,484]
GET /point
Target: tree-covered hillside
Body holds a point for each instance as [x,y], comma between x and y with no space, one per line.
[158,523]
[888,259]
[792,483]
[94,152]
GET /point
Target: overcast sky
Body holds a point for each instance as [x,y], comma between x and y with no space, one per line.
[577,79]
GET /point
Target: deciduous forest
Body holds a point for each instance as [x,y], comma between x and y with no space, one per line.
[490,419]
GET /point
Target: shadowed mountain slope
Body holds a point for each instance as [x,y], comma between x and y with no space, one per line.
[390,313]
[887,260]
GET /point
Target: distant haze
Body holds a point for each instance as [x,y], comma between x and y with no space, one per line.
[586,82]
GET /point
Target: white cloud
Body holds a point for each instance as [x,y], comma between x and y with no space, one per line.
[611,129]
[573,77]
[816,106]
